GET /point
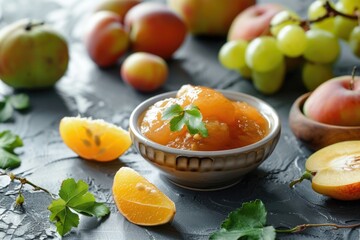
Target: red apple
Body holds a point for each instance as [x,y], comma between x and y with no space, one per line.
[335,102]
[209,17]
[253,22]
[145,72]
[106,39]
[156,29]
[120,7]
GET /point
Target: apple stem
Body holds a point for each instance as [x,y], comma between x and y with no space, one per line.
[306,176]
[352,80]
[31,24]
[302,227]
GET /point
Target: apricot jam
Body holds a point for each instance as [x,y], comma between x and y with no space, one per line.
[230,124]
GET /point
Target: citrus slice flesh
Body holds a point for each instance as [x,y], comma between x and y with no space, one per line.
[94,139]
[139,201]
[337,170]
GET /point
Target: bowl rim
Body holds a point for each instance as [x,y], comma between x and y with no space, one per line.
[275,126]
[298,106]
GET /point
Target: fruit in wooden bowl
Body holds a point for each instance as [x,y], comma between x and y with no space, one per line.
[213,137]
[335,171]
[328,115]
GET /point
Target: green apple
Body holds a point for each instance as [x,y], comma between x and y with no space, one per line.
[32,55]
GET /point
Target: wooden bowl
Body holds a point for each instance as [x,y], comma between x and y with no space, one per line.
[314,134]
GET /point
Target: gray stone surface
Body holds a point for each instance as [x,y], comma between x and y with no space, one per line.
[100,93]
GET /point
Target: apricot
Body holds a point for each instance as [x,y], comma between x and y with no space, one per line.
[119,7]
[106,39]
[144,71]
[336,170]
[156,29]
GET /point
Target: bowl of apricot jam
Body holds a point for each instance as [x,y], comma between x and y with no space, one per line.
[241,132]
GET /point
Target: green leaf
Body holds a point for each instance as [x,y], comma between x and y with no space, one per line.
[8,160]
[251,214]
[6,111]
[247,222]
[19,101]
[10,141]
[74,199]
[67,220]
[172,111]
[71,191]
[97,210]
[191,117]
[177,123]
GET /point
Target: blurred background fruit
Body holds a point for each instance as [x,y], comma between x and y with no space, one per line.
[32,55]
[209,17]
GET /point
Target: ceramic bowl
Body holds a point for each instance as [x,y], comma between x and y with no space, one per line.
[206,170]
[314,134]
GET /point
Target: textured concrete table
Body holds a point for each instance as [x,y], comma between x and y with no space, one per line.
[90,91]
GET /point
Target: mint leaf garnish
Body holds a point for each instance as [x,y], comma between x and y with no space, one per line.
[8,143]
[11,102]
[247,222]
[190,116]
[74,199]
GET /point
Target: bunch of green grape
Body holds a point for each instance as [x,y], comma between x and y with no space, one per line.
[315,43]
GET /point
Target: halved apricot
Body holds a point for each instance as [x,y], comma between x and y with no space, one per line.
[94,139]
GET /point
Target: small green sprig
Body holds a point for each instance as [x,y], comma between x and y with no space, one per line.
[249,222]
[10,103]
[8,143]
[190,117]
[74,199]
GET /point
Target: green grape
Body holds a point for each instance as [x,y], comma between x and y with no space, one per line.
[263,54]
[20,199]
[314,74]
[291,40]
[282,19]
[245,72]
[317,10]
[232,54]
[271,81]
[350,6]
[322,46]
[342,25]
[354,41]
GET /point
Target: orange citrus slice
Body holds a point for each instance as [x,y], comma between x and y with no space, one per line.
[140,201]
[94,139]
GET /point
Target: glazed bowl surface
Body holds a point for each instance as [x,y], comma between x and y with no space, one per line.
[316,135]
[206,170]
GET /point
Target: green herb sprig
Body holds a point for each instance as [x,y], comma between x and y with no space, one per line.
[190,117]
[74,199]
[249,222]
[10,103]
[8,143]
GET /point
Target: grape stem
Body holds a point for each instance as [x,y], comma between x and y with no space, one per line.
[24,181]
[31,24]
[302,227]
[330,12]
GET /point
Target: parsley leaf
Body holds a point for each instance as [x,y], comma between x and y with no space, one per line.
[11,102]
[74,199]
[8,143]
[247,222]
[190,116]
